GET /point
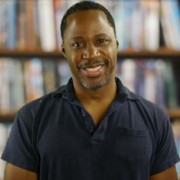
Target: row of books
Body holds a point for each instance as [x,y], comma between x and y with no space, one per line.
[5,129]
[24,80]
[153,79]
[28,24]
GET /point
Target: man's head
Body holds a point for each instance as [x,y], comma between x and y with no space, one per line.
[83,6]
[90,46]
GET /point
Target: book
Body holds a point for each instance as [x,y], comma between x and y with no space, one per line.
[33,79]
[150,81]
[151,24]
[8,38]
[49,75]
[160,83]
[118,68]
[36,24]
[64,72]
[30,13]
[3,24]
[170,20]
[128,67]
[11,24]
[118,14]
[170,86]
[4,89]
[137,35]
[47,25]
[22,25]
[18,91]
[58,14]
[140,77]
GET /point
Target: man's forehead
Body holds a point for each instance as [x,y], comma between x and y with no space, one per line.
[86,14]
[93,22]
[88,23]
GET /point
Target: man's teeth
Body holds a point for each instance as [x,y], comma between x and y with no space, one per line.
[94,69]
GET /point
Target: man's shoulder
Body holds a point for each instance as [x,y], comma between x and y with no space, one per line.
[135,100]
[144,105]
[44,101]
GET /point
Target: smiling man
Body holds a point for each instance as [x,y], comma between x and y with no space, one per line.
[90,47]
[93,128]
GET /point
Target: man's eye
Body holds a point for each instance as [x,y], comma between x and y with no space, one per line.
[78,45]
[103,41]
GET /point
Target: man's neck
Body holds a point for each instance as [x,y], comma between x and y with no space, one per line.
[105,93]
[96,102]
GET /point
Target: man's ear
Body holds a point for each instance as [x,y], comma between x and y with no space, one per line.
[117,42]
[63,50]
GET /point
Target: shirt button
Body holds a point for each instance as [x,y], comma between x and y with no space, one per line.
[91,129]
[83,113]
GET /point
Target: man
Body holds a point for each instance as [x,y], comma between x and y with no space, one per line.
[93,128]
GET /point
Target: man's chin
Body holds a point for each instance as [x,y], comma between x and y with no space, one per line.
[94,85]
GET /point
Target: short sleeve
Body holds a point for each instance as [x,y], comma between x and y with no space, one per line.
[19,149]
[165,152]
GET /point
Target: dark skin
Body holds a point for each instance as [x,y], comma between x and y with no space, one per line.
[89,37]
[95,40]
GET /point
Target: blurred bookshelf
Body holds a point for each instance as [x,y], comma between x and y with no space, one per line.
[165,54]
[30,57]
[147,31]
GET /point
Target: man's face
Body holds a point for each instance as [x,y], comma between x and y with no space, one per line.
[90,48]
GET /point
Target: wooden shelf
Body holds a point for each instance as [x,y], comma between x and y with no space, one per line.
[7,117]
[174,113]
[160,53]
[29,53]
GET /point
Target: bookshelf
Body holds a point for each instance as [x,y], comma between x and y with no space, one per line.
[26,32]
[164,53]
[28,38]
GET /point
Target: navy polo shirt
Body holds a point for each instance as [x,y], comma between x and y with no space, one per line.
[55,137]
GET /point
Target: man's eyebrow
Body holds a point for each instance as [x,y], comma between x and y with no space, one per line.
[101,34]
[96,35]
[80,37]
[77,38]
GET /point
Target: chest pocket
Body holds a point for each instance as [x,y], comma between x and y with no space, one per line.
[130,144]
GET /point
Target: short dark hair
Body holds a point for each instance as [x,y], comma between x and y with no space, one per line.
[85,5]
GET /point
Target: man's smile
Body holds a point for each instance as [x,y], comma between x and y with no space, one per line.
[93,71]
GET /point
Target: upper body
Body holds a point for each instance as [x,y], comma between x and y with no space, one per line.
[53,138]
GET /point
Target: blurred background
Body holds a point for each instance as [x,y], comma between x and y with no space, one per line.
[31,62]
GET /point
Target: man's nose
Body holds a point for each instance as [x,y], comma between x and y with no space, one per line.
[90,51]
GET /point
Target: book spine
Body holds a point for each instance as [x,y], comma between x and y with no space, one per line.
[47,26]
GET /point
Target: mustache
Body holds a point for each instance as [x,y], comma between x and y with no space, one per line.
[91,63]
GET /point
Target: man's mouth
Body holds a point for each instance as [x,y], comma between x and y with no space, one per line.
[92,71]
